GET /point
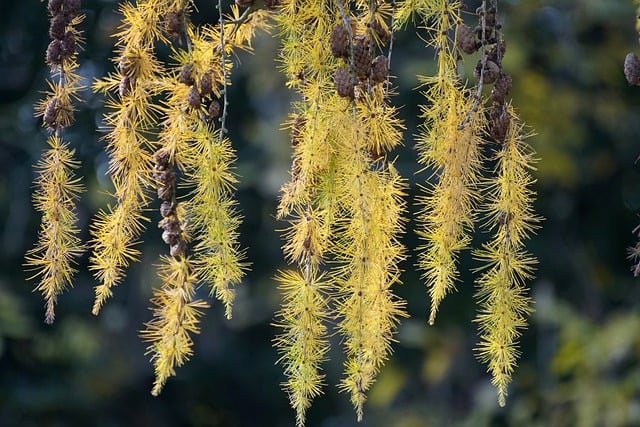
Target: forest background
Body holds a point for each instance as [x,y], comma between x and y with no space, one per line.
[580,363]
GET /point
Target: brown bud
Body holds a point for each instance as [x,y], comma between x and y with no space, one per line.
[54,52]
[185,76]
[174,24]
[490,73]
[166,208]
[71,8]
[381,31]
[379,69]
[125,86]
[339,41]
[501,88]
[57,27]
[344,83]
[68,45]
[244,3]
[466,40]
[206,85]
[178,248]
[632,69]
[214,109]
[193,99]
[361,57]
[50,116]
[54,6]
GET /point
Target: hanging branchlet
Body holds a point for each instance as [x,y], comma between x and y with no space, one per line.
[450,147]
[190,142]
[502,292]
[132,115]
[344,200]
[58,244]
[175,319]
[307,202]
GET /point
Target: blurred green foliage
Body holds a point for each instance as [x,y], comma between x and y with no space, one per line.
[580,363]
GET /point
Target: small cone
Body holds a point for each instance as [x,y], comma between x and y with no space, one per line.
[344,83]
[339,42]
[632,69]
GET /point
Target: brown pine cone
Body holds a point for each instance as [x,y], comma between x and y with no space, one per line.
[361,57]
[339,41]
[68,45]
[174,24]
[185,76]
[57,27]
[161,159]
[379,69]
[490,74]
[178,248]
[466,40]
[214,109]
[167,208]
[500,121]
[206,85]
[71,8]
[381,31]
[125,86]
[165,178]
[193,99]
[344,83]
[54,52]
[632,69]
[54,6]
[165,192]
[501,88]
[497,51]
[170,237]
[50,116]
[127,67]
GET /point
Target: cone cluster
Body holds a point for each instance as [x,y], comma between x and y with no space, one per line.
[200,91]
[489,69]
[63,38]
[57,111]
[171,225]
[366,71]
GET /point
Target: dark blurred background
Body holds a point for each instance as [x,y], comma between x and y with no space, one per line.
[580,363]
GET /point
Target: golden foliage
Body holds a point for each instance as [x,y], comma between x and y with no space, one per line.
[176,317]
[344,203]
[57,189]
[502,293]
[58,245]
